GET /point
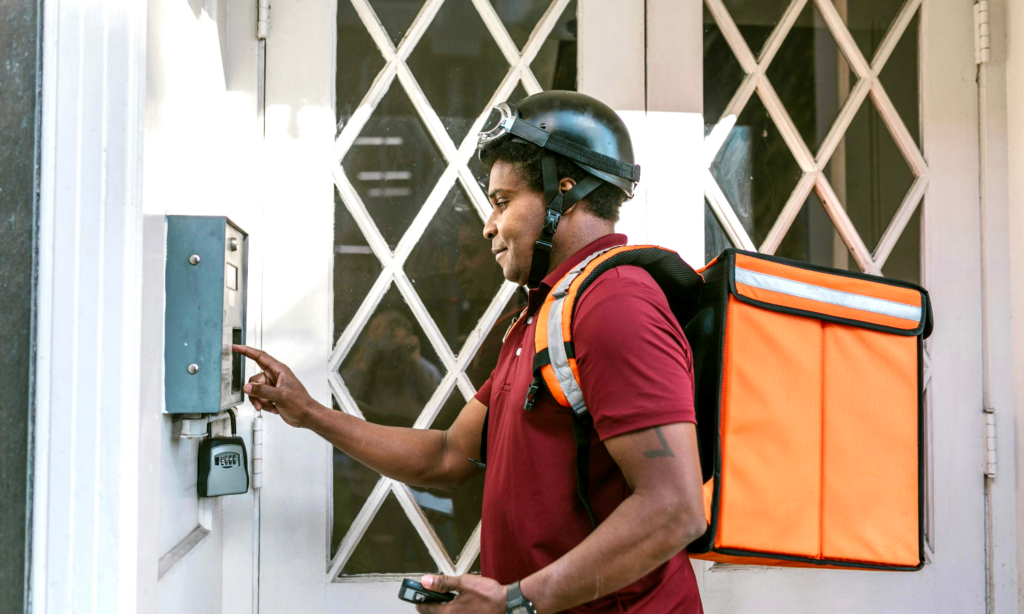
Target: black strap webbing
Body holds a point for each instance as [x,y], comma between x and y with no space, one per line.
[557,202]
[581,426]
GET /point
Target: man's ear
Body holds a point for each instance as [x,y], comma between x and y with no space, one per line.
[566,184]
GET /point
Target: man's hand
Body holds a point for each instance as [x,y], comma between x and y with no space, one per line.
[277,390]
[476,595]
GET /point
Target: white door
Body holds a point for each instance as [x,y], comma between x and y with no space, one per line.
[844,133]
[847,137]
[380,289]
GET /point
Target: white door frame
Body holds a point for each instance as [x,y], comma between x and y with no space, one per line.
[85,552]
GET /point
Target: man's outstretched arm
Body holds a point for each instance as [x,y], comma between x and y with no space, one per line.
[420,457]
[662,516]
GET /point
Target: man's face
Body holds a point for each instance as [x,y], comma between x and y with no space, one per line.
[517,214]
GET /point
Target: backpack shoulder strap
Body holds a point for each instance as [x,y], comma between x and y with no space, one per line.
[554,361]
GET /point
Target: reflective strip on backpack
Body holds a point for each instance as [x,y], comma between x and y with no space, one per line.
[556,342]
[828,295]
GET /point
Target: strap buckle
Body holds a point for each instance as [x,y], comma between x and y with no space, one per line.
[551,220]
[531,395]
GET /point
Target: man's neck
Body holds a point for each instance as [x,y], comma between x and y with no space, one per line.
[576,236]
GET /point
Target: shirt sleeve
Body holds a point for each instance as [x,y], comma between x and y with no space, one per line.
[635,365]
[484,394]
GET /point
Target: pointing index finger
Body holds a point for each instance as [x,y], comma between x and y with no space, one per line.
[264,360]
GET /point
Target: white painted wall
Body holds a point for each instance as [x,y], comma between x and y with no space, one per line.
[1011,34]
[202,157]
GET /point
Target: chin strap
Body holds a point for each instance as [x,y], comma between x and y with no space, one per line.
[558,202]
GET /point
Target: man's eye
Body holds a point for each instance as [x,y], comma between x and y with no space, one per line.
[502,203]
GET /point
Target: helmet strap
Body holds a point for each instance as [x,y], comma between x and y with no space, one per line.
[557,202]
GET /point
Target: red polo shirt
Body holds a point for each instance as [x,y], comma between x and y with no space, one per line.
[636,372]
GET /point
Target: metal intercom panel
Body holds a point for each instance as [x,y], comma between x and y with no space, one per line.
[205,292]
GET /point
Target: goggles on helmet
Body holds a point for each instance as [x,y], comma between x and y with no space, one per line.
[504,120]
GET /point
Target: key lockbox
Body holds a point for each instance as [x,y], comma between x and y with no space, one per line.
[205,294]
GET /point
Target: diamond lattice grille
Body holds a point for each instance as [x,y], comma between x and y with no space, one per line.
[411,77]
[863,82]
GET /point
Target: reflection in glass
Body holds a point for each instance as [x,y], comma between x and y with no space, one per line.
[868,21]
[390,545]
[722,72]
[395,15]
[904,261]
[520,17]
[358,62]
[811,76]
[870,175]
[900,78]
[555,64]
[756,19]
[355,267]
[393,164]
[392,370]
[453,269]
[458,65]
[813,239]
[715,239]
[756,170]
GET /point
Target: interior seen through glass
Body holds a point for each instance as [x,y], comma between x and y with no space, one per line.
[755,168]
[392,370]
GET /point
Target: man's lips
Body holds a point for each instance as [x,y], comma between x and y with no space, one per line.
[498,252]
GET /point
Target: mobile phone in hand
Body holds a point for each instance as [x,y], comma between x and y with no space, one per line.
[413,592]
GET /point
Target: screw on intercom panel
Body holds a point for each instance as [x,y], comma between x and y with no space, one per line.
[193,368]
[193,259]
[233,244]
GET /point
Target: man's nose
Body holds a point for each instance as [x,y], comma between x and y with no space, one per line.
[491,227]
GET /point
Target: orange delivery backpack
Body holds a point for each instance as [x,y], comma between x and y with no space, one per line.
[808,396]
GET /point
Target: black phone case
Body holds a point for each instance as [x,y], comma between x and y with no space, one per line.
[413,592]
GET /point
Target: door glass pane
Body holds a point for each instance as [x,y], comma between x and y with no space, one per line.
[358,62]
[715,239]
[870,175]
[813,239]
[900,79]
[555,64]
[392,370]
[454,513]
[722,71]
[868,21]
[756,170]
[396,15]
[520,17]
[353,483]
[355,267]
[453,269]
[393,164]
[458,65]
[904,261]
[756,19]
[811,76]
[390,545]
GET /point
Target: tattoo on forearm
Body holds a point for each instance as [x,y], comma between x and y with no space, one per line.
[664,451]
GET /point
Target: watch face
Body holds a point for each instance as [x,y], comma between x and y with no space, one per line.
[520,609]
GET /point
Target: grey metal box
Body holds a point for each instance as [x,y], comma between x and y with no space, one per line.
[205,292]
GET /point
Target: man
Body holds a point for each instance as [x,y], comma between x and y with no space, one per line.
[560,166]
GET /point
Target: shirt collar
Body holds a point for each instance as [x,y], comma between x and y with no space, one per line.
[538,295]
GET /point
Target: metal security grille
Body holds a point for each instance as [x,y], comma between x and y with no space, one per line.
[457,157]
[812,166]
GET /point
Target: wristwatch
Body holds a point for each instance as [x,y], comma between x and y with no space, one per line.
[517,604]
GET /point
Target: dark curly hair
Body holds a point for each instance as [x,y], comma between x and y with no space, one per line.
[604,201]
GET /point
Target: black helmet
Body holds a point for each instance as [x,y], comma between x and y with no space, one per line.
[574,125]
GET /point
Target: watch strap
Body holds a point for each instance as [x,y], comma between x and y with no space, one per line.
[516,603]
